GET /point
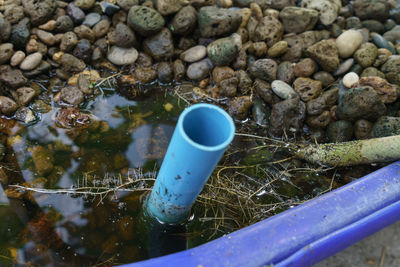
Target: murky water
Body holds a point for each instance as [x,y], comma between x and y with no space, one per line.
[121,144]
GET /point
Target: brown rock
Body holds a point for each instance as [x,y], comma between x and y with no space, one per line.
[305,68]
[222,73]
[320,121]
[307,88]
[239,107]
[387,92]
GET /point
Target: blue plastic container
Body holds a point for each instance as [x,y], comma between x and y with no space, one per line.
[307,233]
[201,136]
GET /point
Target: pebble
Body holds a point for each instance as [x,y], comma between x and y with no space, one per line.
[304,68]
[328,9]
[269,29]
[348,42]
[239,107]
[264,69]
[350,79]
[48,26]
[64,24]
[344,67]
[160,46]
[83,50]
[122,56]
[283,90]
[71,95]
[362,129]
[297,19]
[46,37]
[214,21]
[381,42]
[68,41]
[101,28]
[223,51]
[25,95]
[91,19]
[278,49]
[84,4]
[13,78]
[70,63]
[366,55]
[7,106]
[6,52]
[326,54]
[31,61]
[307,88]
[325,77]
[17,58]
[124,36]
[221,73]
[184,21]
[75,13]
[109,8]
[199,70]
[340,131]
[146,21]
[194,54]
[5,29]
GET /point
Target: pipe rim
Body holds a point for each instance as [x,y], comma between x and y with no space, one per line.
[222,112]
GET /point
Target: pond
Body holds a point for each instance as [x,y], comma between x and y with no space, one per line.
[85,175]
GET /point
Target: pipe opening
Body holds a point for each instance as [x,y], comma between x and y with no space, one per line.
[208,126]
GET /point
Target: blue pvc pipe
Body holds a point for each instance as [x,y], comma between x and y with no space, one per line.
[202,134]
[307,233]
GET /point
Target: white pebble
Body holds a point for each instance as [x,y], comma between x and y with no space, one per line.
[350,79]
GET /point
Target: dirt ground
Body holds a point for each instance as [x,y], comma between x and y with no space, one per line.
[381,249]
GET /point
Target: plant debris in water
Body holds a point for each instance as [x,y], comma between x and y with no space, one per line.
[90,92]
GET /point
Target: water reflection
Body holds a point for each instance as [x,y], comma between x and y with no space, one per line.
[65,230]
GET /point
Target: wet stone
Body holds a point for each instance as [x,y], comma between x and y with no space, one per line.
[19,35]
[83,50]
[222,73]
[145,75]
[179,70]
[164,72]
[245,81]
[70,63]
[13,78]
[31,61]
[71,96]
[7,106]
[199,70]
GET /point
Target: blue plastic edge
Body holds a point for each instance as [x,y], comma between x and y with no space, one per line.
[307,233]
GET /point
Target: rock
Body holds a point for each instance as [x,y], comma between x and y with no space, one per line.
[25,95]
[340,131]
[167,7]
[109,8]
[348,42]
[122,56]
[179,70]
[25,115]
[297,19]
[124,36]
[344,67]
[316,106]
[84,84]
[307,88]
[392,69]
[71,96]
[269,30]
[84,32]
[286,72]
[245,3]
[258,49]
[69,63]
[360,103]
[373,26]
[39,11]
[260,113]
[101,28]
[326,54]
[48,26]
[350,79]
[6,52]
[13,78]
[386,126]
[75,13]
[214,21]
[68,41]
[184,21]
[320,121]
[160,46]
[145,75]
[7,106]
[222,73]
[91,19]
[239,107]
[304,68]
[42,159]
[13,13]
[240,62]
[46,37]
[194,54]
[328,9]
[146,21]
[372,9]
[325,77]
[5,30]
[228,87]
[199,70]
[84,4]
[283,90]
[83,50]
[362,129]
[223,51]
[264,69]
[287,116]
[164,72]
[64,24]
[127,4]
[245,82]
[366,55]
[391,36]
[17,58]
[263,89]
[386,91]
[19,35]
[371,71]
[41,68]
[381,42]
[278,49]
[31,61]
